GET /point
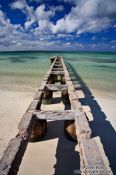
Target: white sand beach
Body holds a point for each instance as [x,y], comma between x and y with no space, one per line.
[13,104]
[43,157]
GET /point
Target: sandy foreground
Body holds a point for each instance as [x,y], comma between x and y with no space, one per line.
[12,107]
[55,154]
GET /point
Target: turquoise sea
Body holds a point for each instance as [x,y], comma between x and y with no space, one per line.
[24,70]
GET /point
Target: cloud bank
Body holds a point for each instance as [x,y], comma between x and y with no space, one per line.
[40,31]
[88,16]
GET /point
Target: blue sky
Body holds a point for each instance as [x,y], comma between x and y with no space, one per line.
[79,25]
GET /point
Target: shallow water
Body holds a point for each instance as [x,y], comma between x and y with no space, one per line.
[26,69]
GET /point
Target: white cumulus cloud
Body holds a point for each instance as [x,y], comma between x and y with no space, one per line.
[20,4]
[39,32]
[87,16]
[24,7]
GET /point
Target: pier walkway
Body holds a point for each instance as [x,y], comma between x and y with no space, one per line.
[44,108]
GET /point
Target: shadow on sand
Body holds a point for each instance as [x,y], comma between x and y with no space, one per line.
[100,126]
[67,159]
